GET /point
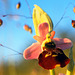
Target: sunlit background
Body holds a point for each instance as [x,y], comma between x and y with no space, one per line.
[14,36]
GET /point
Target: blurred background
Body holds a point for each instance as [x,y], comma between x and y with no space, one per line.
[14,36]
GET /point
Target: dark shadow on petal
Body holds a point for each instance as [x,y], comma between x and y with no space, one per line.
[51,60]
[62,58]
[47,62]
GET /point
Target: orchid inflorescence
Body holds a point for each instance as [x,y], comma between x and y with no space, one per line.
[48,50]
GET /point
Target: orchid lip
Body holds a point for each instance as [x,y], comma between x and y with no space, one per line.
[50,61]
[46,55]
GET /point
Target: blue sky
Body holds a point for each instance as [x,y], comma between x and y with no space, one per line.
[19,39]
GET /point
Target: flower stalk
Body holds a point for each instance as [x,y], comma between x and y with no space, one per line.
[52,72]
[71,64]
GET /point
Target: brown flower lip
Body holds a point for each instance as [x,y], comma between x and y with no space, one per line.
[50,61]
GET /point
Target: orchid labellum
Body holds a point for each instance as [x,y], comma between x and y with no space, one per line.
[48,50]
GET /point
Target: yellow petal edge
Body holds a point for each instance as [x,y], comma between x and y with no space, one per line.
[39,16]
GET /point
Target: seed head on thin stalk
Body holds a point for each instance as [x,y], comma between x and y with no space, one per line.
[62,17]
[18,6]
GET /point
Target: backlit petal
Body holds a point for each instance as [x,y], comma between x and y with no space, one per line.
[63,43]
[38,38]
[52,34]
[43,29]
[33,51]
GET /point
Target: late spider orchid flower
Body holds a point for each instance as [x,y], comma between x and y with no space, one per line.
[48,50]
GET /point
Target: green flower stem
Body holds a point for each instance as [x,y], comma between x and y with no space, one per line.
[52,72]
[71,64]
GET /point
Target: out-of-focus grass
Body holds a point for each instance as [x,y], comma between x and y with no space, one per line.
[29,67]
[25,67]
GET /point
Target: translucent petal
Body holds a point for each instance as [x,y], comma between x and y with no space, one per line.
[43,29]
[63,43]
[52,34]
[33,51]
[40,16]
[38,38]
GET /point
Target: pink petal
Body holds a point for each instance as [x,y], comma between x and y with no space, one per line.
[63,43]
[52,34]
[38,38]
[33,51]
[43,29]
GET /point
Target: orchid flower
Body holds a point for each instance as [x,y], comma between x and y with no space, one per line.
[48,50]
